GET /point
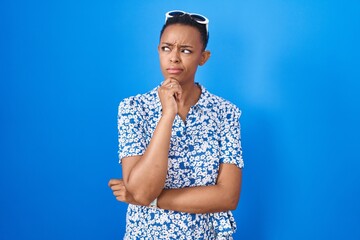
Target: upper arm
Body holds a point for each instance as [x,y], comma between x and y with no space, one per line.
[131,135]
[231,162]
[128,164]
[230,137]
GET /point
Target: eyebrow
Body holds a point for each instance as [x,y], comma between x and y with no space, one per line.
[183,46]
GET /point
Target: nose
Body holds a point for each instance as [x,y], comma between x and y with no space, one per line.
[174,57]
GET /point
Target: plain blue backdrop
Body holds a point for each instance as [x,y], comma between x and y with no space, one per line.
[291,66]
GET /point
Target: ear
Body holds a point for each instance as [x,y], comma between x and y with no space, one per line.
[205,55]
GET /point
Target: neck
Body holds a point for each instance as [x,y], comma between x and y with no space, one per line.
[190,95]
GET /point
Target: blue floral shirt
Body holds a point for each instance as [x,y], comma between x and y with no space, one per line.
[209,136]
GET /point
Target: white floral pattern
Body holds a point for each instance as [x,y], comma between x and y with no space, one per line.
[209,136]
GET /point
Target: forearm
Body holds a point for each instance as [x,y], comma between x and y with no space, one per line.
[146,179]
[221,197]
[203,199]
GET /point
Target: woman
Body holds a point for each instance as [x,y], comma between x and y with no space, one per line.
[179,146]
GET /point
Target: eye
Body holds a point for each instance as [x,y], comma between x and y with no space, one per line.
[186,51]
[165,49]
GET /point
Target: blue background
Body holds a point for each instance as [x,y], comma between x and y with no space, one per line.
[291,66]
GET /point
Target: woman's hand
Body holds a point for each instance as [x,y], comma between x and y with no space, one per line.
[120,192]
[170,92]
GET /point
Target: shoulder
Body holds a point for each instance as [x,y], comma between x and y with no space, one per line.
[139,102]
[222,105]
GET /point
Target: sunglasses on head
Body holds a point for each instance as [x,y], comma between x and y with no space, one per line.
[194,16]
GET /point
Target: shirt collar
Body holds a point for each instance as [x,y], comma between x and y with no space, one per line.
[203,99]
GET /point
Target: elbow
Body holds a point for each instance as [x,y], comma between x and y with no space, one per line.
[232,202]
[142,199]
[230,199]
[143,195]
[139,195]
[232,205]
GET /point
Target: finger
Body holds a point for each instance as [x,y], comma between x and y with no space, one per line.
[178,96]
[171,89]
[116,187]
[173,82]
[115,181]
[170,82]
[166,82]
[118,193]
[173,79]
[120,199]
[168,85]
[176,87]
[112,182]
[177,91]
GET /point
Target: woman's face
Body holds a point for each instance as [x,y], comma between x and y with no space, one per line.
[181,52]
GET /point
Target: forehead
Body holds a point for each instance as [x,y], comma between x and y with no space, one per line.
[179,33]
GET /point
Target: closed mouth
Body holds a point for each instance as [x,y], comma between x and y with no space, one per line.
[174,70]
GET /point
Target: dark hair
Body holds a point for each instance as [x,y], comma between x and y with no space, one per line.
[188,21]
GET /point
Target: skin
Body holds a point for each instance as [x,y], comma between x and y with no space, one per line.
[180,53]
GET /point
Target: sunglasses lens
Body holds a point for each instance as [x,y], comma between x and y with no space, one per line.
[198,18]
[176,13]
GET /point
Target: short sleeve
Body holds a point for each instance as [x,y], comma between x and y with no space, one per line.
[230,140]
[131,134]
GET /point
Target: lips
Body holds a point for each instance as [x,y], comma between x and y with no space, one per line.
[173,70]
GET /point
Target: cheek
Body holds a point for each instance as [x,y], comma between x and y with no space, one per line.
[194,64]
[162,61]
